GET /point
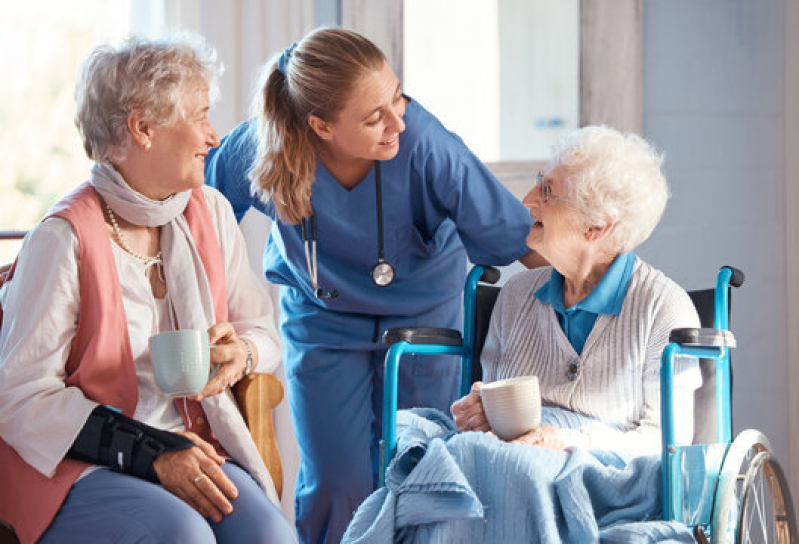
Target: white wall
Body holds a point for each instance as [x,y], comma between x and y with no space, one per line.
[714,101]
[792,228]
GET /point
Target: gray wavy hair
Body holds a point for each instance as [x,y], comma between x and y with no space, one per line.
[152,75]
[611,175]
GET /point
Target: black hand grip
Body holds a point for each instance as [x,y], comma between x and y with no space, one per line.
[737,278]
[702,337]
[490,274]
[423,335]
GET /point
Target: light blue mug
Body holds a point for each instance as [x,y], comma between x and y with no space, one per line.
[181,361]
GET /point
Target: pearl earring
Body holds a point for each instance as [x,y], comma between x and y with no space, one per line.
[147,145]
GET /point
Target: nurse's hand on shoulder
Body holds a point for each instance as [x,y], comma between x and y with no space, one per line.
[227,351]
[194,475]
[468,411]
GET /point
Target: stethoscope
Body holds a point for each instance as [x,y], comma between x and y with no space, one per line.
[382,272]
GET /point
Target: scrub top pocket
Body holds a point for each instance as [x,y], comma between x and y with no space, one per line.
[412,248]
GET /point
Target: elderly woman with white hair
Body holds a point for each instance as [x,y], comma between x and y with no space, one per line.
[90,448]
[592,326]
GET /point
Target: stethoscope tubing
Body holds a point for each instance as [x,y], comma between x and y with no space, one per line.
[382,272]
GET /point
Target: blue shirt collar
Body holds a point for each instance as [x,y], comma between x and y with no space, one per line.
[606,298]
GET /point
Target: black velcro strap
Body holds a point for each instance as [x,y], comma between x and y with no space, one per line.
[123,444]
[123,441]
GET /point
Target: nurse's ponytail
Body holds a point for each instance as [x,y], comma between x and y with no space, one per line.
[314,77]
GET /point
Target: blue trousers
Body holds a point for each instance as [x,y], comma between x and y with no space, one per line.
[108,507]
[335,387]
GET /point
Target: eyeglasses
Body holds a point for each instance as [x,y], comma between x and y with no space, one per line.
[546,190]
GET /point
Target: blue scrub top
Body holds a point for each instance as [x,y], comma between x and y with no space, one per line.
[606,298]
[439,202]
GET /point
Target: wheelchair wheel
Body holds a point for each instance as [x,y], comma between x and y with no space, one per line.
[748,498]
[766,508]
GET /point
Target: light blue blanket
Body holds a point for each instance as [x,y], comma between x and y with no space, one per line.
[444,487]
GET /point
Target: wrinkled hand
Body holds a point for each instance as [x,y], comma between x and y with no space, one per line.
[544,436]
[468,411]
[180,473]
[231,356]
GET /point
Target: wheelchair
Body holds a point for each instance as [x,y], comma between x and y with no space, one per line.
[728,491]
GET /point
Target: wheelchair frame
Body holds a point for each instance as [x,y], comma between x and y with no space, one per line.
[714,488]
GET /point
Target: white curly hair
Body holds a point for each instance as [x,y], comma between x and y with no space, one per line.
[617,177]
[153,75]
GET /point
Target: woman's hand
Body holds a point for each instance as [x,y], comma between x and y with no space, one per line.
[544,436]
[468,411]
[194,475]
[555,438]
[229,353]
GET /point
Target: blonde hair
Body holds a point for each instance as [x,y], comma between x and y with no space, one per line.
[153,75]
[610,175]
[320,75]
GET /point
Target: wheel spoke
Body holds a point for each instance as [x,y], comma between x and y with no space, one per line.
[753,503]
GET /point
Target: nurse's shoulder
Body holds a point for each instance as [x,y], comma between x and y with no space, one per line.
[227,167]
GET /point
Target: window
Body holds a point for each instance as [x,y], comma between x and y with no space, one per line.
[502,74]
[42,157]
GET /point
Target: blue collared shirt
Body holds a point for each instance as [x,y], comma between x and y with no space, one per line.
[606,298]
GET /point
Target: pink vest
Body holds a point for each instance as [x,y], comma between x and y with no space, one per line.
[100,362]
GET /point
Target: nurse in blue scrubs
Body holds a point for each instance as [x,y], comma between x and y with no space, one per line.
[375,208]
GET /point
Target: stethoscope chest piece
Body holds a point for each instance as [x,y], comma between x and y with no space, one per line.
[382,273]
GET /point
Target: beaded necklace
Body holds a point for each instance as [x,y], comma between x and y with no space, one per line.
[146,259]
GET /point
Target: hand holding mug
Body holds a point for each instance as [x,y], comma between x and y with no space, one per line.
[469,413]
[230,354]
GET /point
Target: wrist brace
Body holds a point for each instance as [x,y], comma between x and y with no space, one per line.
[123,444]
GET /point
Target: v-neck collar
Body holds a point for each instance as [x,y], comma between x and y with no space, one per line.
[330,179]
[601,323]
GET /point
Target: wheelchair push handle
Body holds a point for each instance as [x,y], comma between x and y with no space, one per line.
[737,276]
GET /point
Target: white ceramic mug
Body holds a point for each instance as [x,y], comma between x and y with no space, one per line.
[181,361]
[512,406]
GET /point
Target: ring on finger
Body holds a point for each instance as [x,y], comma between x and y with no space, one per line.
[199,477]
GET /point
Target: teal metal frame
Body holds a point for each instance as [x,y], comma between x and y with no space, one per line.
[388,444]
[688,499]
[690,472]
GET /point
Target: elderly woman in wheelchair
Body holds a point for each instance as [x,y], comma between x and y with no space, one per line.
[592,326]
[614,344]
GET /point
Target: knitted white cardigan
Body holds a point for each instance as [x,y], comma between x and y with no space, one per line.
[619,381]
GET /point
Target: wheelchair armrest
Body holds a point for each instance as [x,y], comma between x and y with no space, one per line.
[702,337]
[423,335]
